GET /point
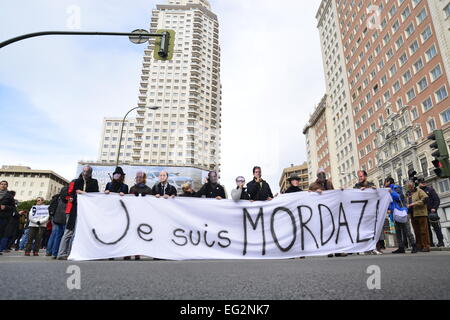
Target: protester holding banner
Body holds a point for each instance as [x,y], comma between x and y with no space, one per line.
[417,208]
[259,189]
[322,183]
[212,188]
[362,185]
[188,192]
[140,188]
[402,229]
[38,218]
[294,180]
[163,188]
[84,184]
[240,193]
[7,208]
[117,184]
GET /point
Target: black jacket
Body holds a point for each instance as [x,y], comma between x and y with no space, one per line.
[116,187]
[433,201]
[259,191]
[293,189]
[53,205]
[188,194]
[91,186]
[169,190]
[141,190]
[9,203]
[210,191]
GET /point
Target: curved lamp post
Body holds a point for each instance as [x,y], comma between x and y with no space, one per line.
[123,123]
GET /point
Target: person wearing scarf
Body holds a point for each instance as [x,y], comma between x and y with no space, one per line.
[141,188]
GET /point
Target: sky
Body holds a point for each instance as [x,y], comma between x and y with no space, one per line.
[56,90]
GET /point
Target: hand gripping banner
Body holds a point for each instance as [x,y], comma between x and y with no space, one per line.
[292,225]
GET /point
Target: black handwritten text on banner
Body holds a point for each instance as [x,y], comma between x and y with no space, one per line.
[291,225]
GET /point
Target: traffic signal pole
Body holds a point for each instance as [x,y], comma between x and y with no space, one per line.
[440,154]
[165,37]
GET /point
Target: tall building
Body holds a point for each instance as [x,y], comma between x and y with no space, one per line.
[186,130]
[30,184]
[342,143]
[393,57]
[300,171]
[319,141]
[394,65]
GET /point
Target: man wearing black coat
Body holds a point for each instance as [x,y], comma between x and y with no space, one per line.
[259,189]
[7,209]
[294,180]
[212,188]
[163,188]
[433,204]
[84,184]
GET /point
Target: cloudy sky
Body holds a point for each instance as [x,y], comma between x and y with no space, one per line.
[55,91]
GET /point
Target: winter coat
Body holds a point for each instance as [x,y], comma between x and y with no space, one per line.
[116,187]
[91,186]
[40,220]
[327,185]
[293,189]
[240,194]
[188,194]
[10,205]
[419,199]
[140,189]
[60,212]
[259,191]
[168,190]
[210,191]
[366,184]
[433,199]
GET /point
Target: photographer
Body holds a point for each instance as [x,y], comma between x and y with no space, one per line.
[433,217]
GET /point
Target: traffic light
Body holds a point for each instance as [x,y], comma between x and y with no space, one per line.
[440,154]
[164,45]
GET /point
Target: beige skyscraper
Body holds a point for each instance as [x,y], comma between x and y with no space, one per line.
[186,130]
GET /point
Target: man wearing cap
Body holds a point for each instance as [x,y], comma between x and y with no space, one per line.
[294,180]
[117,184]
[240,193]
[322,183]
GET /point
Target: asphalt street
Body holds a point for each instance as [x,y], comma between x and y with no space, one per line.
[419,276]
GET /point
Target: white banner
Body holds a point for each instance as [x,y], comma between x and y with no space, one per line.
[291,225]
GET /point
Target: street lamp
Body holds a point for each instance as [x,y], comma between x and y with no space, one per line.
[123,123]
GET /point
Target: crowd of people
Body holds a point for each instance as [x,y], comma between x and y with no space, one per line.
[53,228]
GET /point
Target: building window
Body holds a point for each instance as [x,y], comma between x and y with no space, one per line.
[427,104]
[436,72]
[424,165]
[441,94]
[445,116]
[444,187]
